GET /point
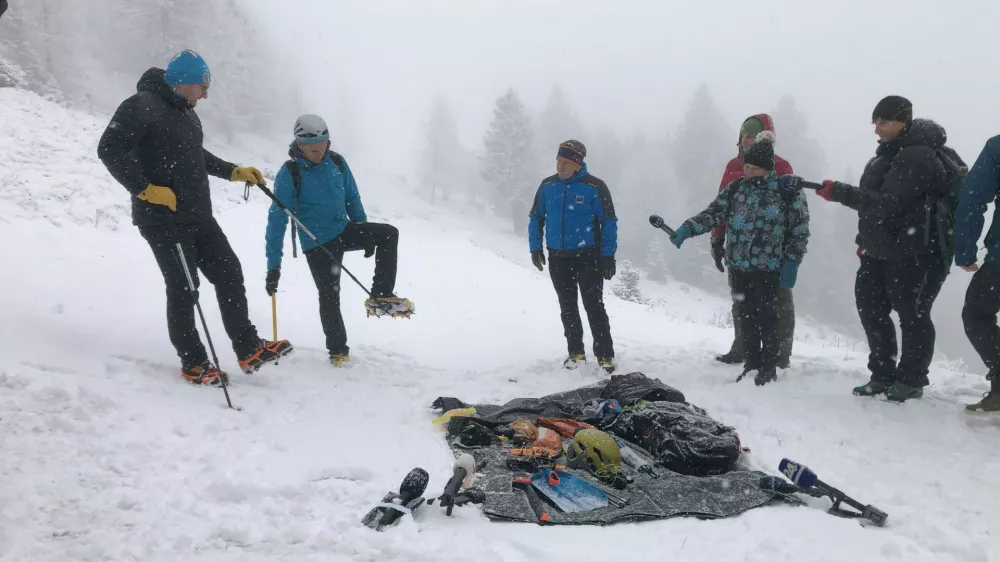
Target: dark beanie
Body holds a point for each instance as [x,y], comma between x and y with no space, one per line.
[573,150]
[761,154]
[893,108]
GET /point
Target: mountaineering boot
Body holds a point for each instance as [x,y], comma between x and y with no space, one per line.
[269,351]
[574,360]
[784,363]
[871,388]
[390,305]
[607,363]
[901,392]
[730,358]
[205,374]
[989,404]
[765,375]
[339,359]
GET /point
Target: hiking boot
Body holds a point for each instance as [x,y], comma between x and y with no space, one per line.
[339,359]
[871,388]
[267,352]
[784,363]
[574,360]
[607,363]
[389,305]
[901,392]
[205,374]
[765,375]
[730,358]
[989,404]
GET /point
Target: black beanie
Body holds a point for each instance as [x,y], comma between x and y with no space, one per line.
[761,154]
[573,150]
[893,108]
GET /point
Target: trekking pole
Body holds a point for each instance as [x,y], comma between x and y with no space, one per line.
[274,315]
[295,220]
[194,292]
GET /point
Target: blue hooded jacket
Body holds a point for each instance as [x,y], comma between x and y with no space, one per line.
[979,189]
[328,201]
[576,215]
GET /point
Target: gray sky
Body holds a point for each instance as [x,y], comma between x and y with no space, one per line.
[634,64]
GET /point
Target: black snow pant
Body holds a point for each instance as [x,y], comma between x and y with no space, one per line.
[979,315]
[383,239]
[786,325]
[908,286]
[757,295]
[207,249]
[583,273]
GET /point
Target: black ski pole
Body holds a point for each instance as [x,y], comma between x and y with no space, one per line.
[204,325]
[657,222]
[296,222]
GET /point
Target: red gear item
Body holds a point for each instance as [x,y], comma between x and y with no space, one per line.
[827,191]
[734,170]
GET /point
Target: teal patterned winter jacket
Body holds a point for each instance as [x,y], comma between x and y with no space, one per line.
[768,221]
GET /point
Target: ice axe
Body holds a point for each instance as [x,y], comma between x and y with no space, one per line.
[657,222]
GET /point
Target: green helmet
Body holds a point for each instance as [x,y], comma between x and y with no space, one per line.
[594,450]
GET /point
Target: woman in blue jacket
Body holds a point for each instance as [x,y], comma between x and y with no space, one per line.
[318,187]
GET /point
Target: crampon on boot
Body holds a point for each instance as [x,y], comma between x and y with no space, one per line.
[389,306]
[607,364]
[268,352]
[574,360]
[205,374]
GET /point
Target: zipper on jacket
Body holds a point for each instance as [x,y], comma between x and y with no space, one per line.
[562,240]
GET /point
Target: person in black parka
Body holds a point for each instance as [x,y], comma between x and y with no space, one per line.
[154,147]
[902,264]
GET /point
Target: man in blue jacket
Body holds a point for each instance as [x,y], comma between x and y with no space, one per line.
[575,211]
[324,197]
[982,299]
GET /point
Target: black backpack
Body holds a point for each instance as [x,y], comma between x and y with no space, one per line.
[293,168]
[943,205]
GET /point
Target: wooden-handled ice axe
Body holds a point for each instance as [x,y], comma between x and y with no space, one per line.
[657,222]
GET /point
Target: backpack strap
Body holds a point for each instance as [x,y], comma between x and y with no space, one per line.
[339,161]
[293,168]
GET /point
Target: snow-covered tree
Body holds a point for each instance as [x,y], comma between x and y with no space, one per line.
[509,163]
[557,123]
[656,264]
[794,142]
[441,153]
[627,287]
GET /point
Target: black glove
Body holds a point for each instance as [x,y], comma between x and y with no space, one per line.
[538,258]
[719,252]
[272,280]
[369,251]
[607,266]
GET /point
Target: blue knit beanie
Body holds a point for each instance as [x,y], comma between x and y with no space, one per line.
[187,67]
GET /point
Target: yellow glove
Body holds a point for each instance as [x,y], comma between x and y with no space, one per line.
[251,175]
[159,195]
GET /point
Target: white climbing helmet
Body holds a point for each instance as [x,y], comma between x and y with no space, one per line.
[311,128]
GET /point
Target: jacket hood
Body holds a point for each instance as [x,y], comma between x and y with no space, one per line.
[765,120]
[925,132]
[152,81]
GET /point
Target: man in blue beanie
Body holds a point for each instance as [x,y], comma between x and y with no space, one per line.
[153,147]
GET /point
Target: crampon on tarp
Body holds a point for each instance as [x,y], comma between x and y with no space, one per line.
[389,306]
[675,459]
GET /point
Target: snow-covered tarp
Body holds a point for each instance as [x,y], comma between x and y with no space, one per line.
[696,457]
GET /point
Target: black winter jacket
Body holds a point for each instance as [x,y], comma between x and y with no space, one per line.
[155,137]
[897,192]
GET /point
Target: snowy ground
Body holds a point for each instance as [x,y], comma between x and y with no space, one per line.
[105,454]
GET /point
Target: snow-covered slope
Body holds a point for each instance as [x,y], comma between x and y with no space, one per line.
[105,454]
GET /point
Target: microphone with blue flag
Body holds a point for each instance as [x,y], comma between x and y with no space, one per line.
[805,481]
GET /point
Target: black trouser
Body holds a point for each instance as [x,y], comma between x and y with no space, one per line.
[207,249]
[909,287]
[757,295]
[786,324]
[982,303]
[384,238]
[584,272]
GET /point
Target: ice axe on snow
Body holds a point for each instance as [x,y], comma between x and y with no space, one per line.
[657,222]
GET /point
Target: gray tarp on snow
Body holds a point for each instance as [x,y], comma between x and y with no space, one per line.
[704,477]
